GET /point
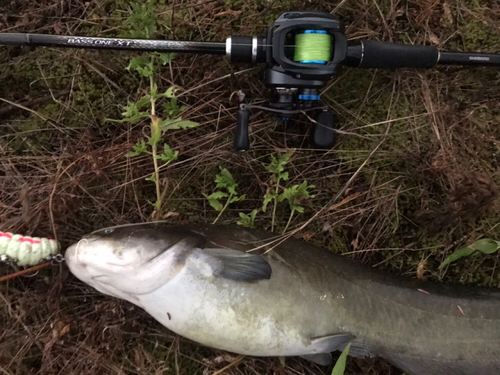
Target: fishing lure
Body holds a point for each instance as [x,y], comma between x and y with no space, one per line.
[26,251]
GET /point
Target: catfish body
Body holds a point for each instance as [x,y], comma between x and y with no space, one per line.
[223,287]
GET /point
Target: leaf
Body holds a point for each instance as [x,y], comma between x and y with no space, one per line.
[139,61]
[288,193]
[295,194]
[277,165]
[299,209]
[168,155]
[213,200]
[485,245]
[237,199]
[172,109]
[136,118]
[137,149]
[185,124]
[132,113]
[247,220]
[143,102]
[341,362]
[146,71]
[303,187]
[225,180]
[156,204]
[142,65]
[151,178]
[165,58]
[216,205]
[216,195]
[132,109]
[170,93]
[142,21]
[457,254]
[168,159]
[178,123]
[283,176]
[268,198]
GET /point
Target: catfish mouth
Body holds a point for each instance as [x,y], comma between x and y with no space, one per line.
[86,259]
[71,255]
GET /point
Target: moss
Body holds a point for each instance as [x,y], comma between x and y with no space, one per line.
[478,37]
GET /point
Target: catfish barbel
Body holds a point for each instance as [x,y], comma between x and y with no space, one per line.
[202,282]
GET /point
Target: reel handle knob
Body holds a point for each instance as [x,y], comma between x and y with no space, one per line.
[241,140]
[324,133]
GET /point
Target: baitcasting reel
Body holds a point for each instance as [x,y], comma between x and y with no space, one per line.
[302,50]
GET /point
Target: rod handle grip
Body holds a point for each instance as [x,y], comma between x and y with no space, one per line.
[383,55]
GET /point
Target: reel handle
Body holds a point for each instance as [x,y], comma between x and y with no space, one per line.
[324,133]
[241,140]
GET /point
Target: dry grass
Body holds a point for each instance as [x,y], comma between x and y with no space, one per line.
[417,158]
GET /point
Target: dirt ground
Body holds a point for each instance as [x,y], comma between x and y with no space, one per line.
[423,147]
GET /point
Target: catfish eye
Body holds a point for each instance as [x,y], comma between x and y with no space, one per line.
[109,230]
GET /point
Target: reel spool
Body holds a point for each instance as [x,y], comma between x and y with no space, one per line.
[303,51]
[313,47]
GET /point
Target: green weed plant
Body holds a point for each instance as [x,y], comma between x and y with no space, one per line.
[226,193]
[485,246]
[161,108]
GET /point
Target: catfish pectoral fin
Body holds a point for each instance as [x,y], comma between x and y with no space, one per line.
[331,343]
[326,344]
[337,343]
[237,265]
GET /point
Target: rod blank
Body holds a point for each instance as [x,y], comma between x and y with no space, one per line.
[468,58]
[216,48]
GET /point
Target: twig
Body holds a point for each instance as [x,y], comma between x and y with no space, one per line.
[24,272]
[232,364]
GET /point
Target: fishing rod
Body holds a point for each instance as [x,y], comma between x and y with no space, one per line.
[302,51]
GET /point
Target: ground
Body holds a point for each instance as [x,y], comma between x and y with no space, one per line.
[417,154]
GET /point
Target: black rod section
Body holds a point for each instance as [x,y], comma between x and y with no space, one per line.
[383,55]
[372,54]
[215,48]
[469,58]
